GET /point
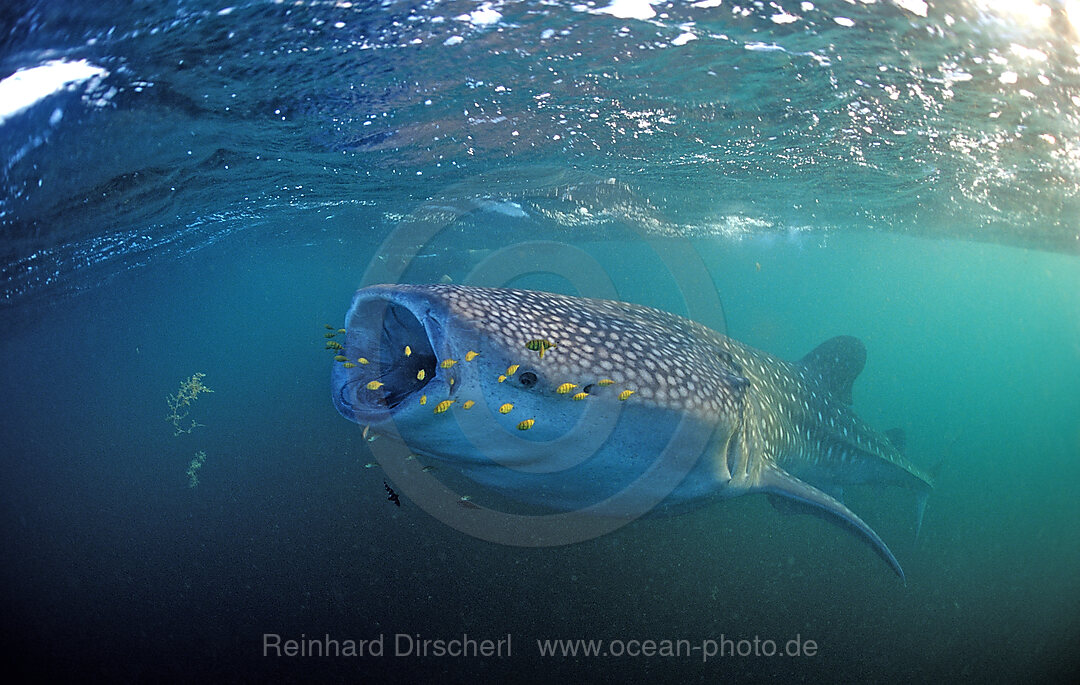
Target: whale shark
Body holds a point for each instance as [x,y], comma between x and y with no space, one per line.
[569,403]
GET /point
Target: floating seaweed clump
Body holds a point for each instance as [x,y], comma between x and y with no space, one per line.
[193,468]
[180,403]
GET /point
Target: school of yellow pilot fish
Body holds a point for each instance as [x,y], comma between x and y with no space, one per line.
[538,345]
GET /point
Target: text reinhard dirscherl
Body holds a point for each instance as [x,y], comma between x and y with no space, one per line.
[416,645]
[401,644]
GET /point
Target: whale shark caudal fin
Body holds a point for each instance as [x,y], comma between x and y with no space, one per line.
[837,362]
[899,440]
[776,481]
[920,509]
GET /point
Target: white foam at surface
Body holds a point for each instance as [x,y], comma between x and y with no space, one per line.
[26,87]
[763,47]
[918,7]
[505,207]
[485,15]
[629,9]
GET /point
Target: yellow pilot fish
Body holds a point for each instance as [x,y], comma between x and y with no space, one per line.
[540,345]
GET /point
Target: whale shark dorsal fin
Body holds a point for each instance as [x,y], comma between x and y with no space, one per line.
[898,438]
[837,362]
[777,482]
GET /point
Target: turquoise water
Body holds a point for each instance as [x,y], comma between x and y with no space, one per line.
[215,199]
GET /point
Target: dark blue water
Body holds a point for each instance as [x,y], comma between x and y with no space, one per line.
[214,191]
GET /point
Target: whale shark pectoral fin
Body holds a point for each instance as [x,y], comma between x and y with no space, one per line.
[775,481]
[785,505]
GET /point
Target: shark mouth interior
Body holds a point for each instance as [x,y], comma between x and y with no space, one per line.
[399,355]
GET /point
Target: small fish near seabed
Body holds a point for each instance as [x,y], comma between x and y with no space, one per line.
[650,382]
[391,494]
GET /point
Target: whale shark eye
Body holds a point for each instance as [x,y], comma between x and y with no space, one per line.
[528,379]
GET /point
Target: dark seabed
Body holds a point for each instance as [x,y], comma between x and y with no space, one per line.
[197,187]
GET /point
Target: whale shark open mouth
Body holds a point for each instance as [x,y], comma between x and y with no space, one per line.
[391,358]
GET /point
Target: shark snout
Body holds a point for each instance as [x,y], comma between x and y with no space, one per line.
[390,353]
